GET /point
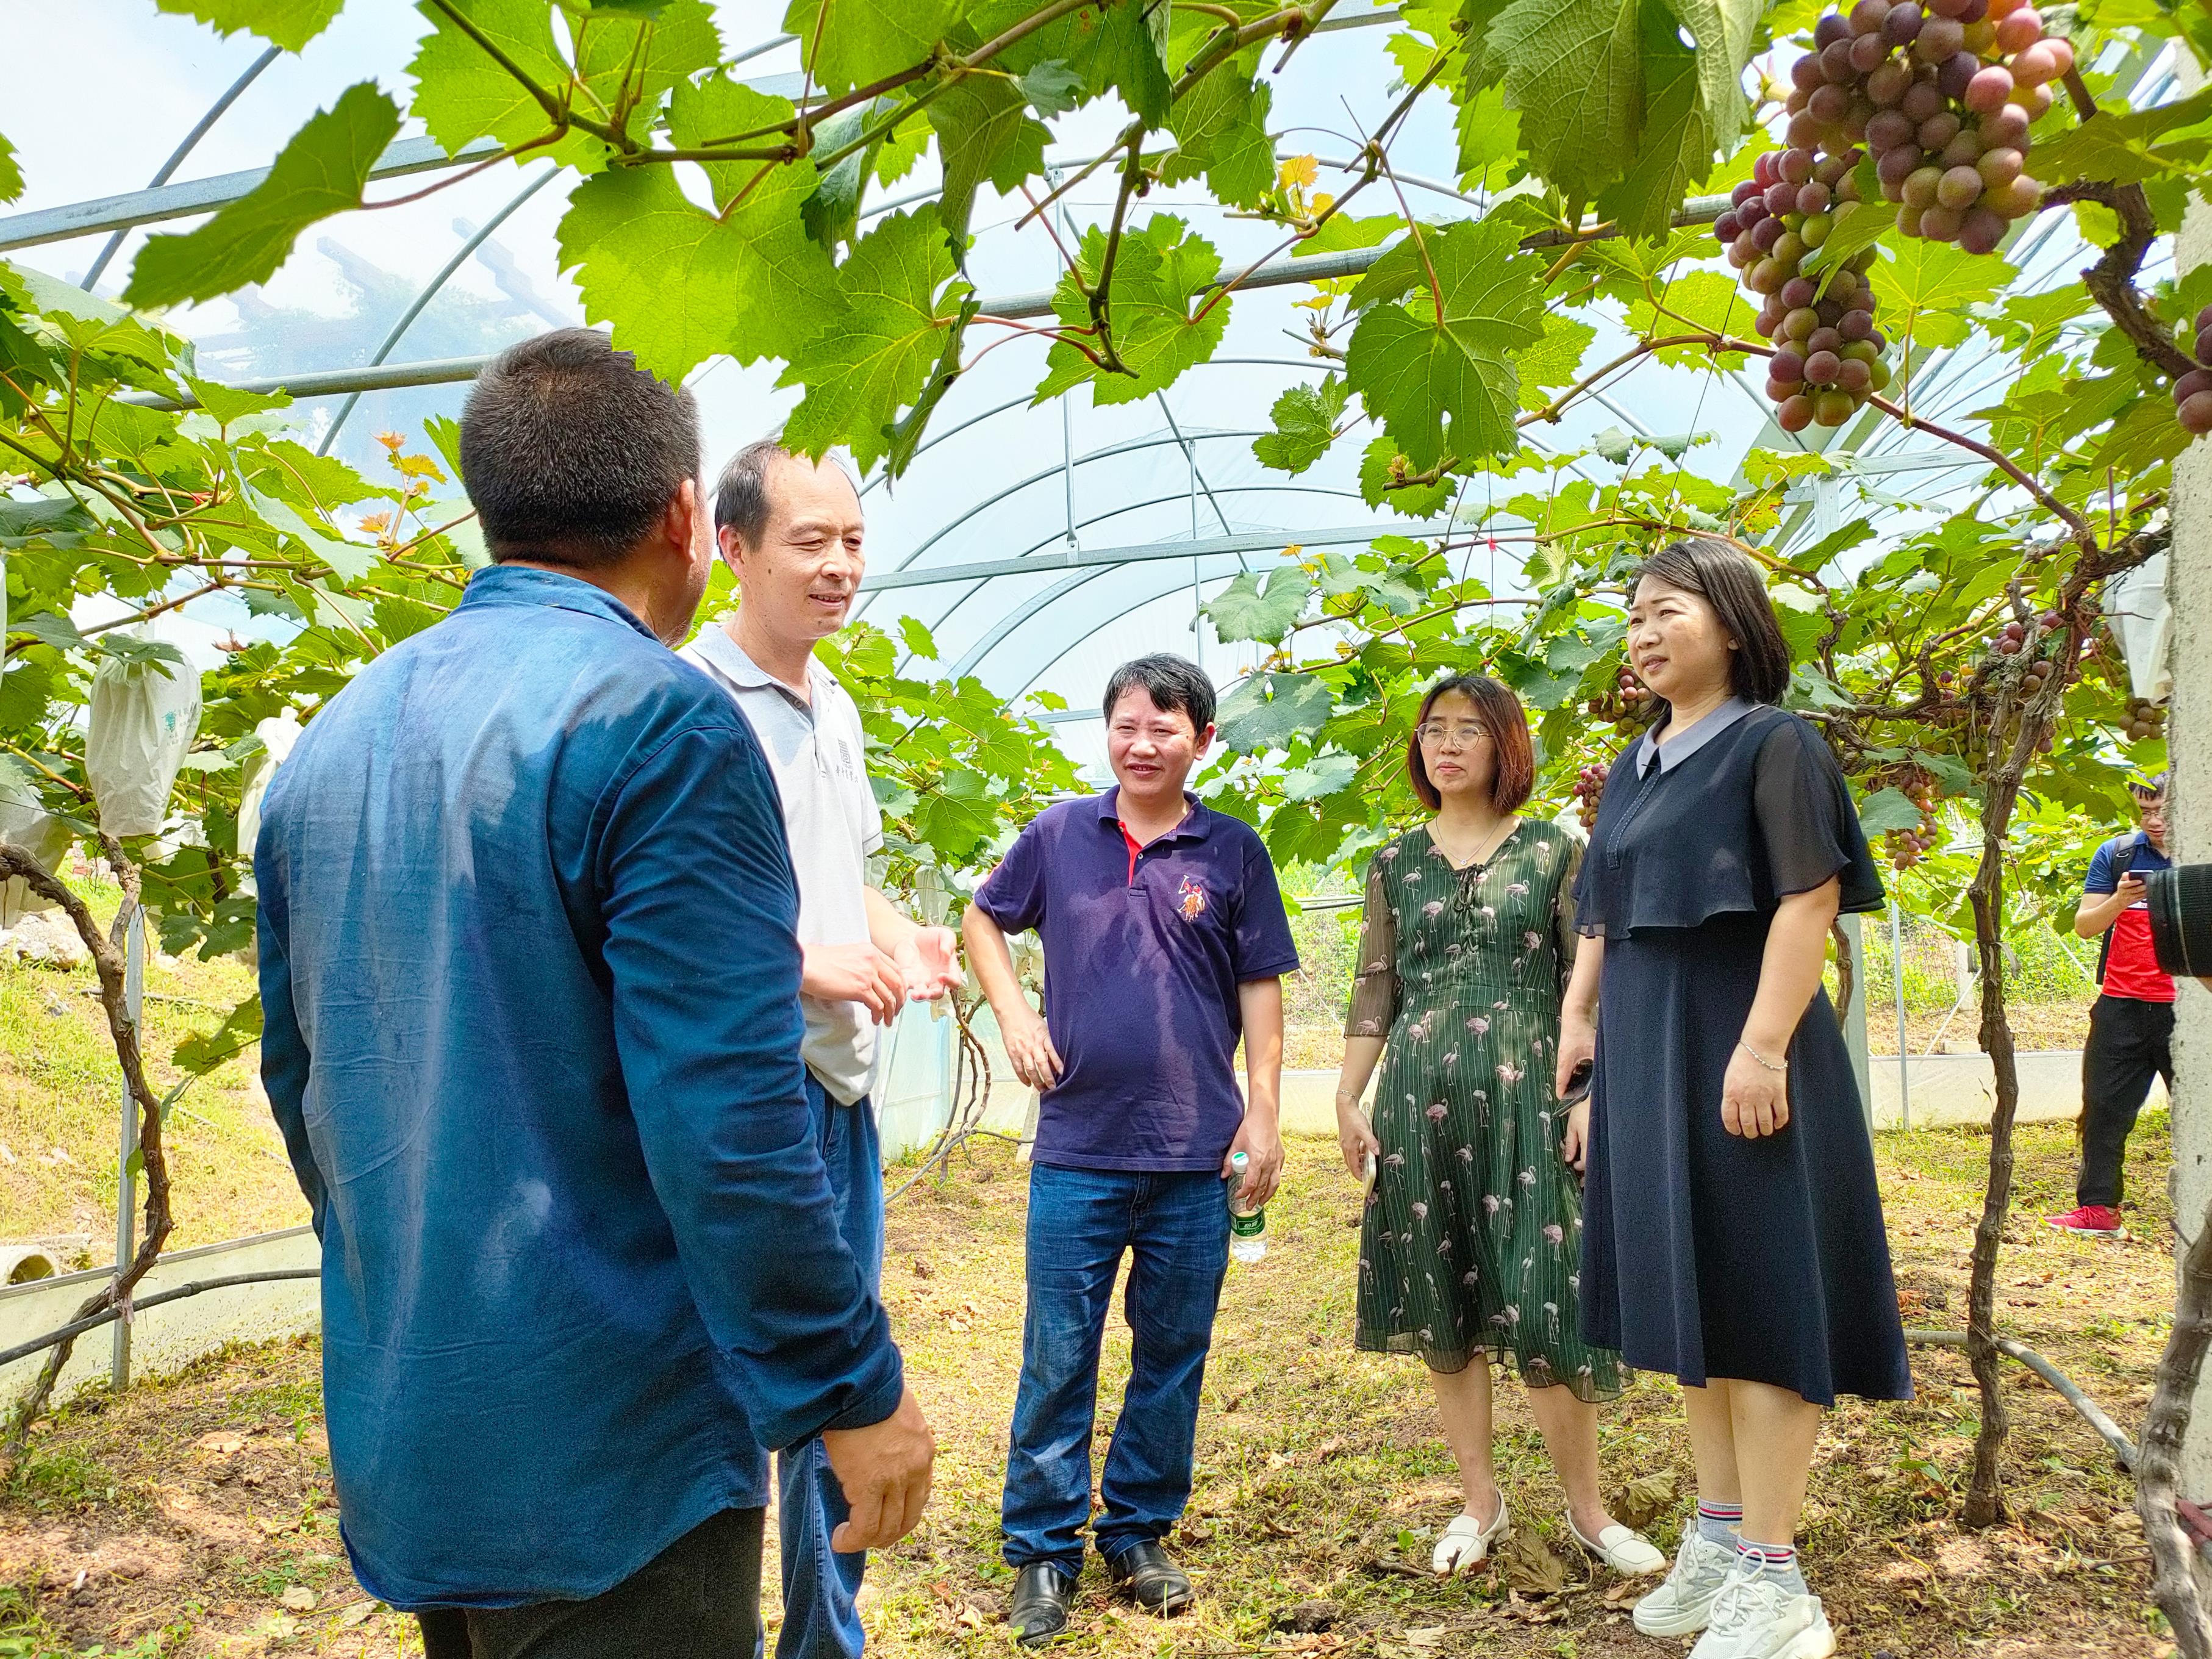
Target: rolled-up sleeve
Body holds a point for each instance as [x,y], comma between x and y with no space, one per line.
[710,1057]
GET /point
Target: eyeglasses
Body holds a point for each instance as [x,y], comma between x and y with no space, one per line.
[1434,734]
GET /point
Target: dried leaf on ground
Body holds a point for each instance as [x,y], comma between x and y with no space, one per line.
[1527,1563]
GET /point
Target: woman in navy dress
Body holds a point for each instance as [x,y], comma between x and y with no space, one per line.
[1732,1225]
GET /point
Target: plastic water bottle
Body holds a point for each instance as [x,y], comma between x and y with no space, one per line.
[1248,1228]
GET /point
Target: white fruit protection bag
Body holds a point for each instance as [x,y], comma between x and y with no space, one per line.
[144,717]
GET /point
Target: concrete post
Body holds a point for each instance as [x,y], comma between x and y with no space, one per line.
[2189,727]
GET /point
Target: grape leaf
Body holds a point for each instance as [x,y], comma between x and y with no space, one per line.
[1052,88]
[1489,139]
[1112,48]
[287,23]
[877,357]
[1552,361]
[1699,299]
[462,93]
[1450,354]
[1305,425]
[1343,232]
[1724,30]
[1267,711]
[679,285]
[1381,465]
[1926,288]
[900,149]
[1674,144]
[11,172]
[984,133]
[861,42]
[1888,809]
[2118,146]
[1323,775]
[1244,610]
[1158,272]
[1574,69]
[319,171]
[203,1051]
[627,63]
[1220,124]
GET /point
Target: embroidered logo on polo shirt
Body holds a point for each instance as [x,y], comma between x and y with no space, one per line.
[1190,899]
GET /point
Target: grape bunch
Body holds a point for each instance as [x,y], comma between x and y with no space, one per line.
[1908,847]
[1590,785]
[2145,719]
[1827,360]
[2192,392]
[1943,96]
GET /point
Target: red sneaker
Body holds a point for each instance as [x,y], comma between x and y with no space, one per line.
[2096,1220]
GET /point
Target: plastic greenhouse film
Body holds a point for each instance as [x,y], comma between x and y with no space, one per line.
[144,715]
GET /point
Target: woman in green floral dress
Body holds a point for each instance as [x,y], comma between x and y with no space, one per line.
[1471,1247]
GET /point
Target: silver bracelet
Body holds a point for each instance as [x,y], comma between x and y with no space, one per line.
[1769,1065]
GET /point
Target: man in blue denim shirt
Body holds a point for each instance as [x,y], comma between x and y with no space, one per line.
[580,1254]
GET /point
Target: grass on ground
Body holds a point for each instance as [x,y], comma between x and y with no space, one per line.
[61,1092]
[194,1517]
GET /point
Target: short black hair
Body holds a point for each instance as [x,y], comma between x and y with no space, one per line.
[1171,682]
[2147,789]
[570,451]
[1729,582]
[741,497]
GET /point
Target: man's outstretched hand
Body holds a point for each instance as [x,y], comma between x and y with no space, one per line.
[884,1469]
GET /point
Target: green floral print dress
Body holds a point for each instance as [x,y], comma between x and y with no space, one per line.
[1472,1234]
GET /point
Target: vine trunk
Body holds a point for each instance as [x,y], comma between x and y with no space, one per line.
[107,960]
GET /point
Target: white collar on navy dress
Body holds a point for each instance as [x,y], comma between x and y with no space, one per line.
[1668,756]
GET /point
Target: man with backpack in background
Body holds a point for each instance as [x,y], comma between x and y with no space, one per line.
[2131,1023]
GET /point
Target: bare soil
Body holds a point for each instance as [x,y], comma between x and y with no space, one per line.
[195,1516]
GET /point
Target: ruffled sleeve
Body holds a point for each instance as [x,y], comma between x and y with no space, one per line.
[1807,826]
[1375,971]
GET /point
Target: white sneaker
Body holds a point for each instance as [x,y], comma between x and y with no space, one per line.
[1755,1618]
[1683,1604]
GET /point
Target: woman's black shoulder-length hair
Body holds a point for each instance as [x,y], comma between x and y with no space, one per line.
[1732,585]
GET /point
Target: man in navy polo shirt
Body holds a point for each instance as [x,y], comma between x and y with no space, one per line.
[1165,940]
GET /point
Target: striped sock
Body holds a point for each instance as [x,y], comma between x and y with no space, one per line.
[1777,1563]
[1719,1522]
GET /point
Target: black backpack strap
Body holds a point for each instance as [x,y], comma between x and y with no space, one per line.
[2124,863]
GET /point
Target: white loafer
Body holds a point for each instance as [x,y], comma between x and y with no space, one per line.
[1466,1542]
[1629,1553]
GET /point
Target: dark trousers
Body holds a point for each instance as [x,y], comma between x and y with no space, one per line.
[1081,1223]
[822,1586]
[697,1599]
[2130,1043]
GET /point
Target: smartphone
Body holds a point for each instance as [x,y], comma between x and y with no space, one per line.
[1578,1083]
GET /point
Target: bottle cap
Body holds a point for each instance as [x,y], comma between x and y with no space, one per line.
[1238,1160]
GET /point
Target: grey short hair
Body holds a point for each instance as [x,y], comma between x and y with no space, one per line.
[741,501]
[570,451]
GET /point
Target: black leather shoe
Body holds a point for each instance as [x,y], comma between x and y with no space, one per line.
[1042,1594]
[1152,1577]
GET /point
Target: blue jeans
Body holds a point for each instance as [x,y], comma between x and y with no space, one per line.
[1080,1222]
[819,1583]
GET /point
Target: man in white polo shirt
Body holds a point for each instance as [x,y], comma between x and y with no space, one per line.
[791,532]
